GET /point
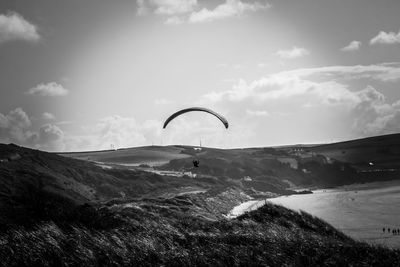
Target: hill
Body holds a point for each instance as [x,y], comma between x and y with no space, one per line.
[271,169]
[65,182]
[380,150]
[260,170]
[150,155]
[374,158]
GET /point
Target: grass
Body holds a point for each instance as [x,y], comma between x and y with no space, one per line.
[154,235]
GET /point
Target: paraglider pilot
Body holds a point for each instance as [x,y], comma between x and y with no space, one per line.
[196,163]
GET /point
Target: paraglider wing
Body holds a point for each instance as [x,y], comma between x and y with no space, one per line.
[180,112]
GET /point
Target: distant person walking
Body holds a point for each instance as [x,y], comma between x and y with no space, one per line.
[383,229]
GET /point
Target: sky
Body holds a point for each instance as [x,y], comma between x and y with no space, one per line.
[95,74]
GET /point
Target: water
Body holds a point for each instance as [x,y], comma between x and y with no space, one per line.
[360,211]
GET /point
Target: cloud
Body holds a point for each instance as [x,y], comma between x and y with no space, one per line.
[382,72]
[116,130]
[295,52]
[14,27]
[353,46]
[257,113]
[386,38]
[128,132]
[49,89]
[280,86]
[64,122]
[175,20]
[300,81]
[48,116]
[50,138]
[374,115]
[165,7]
[320,100]
[231,8]
[181,11]
[16,127]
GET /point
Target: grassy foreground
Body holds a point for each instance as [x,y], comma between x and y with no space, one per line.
[156,234]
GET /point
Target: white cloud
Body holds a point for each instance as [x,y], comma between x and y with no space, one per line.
[299,81]
[257,113]
[16,127]
[231,8]
[50,138]
[166,7]
[14,27]
[316,96]
[180,11]
[117,130]
[280,86]
[386,38]
[382,72]
[127,132]
[373,115]
[49,89]
[64,122]
[48,116]
[295,52]
[353,46]
[175,20]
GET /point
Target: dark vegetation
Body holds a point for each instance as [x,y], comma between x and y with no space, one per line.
[163,233]
[266,170]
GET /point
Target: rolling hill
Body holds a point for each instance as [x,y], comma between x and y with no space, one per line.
[272,169]
[379,150]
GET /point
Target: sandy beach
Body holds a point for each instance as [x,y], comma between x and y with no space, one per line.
[359,210]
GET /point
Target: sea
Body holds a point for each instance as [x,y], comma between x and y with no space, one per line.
[364,212]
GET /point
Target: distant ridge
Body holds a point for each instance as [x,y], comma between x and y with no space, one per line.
[372,140]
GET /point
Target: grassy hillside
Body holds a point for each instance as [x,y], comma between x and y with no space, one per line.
[374,158]
[268,169]
[151,155]
[27,174]
[162,234]
[381,150]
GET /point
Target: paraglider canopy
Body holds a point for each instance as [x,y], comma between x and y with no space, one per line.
[182,111]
